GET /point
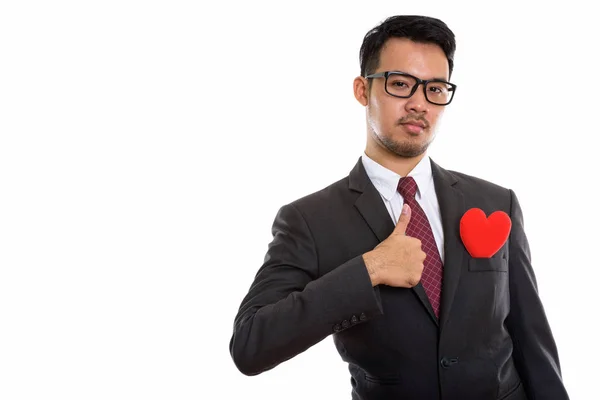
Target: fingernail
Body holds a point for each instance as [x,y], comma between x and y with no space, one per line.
[405,209]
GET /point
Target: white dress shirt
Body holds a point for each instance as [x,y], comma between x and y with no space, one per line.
[386,183]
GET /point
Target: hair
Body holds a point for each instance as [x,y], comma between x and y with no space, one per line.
[414,27]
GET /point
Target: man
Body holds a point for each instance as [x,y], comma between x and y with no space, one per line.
[414,311]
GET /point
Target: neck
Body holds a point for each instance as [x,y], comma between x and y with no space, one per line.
[400,165]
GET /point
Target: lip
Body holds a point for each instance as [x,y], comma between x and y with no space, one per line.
[416,123]
[413,128]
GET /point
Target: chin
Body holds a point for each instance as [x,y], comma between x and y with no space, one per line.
[412,152]
[406,148]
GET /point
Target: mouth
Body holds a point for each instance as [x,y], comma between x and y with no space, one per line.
[414,127]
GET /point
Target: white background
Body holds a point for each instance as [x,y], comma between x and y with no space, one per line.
[145,148]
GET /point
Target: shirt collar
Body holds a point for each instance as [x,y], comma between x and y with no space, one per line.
[386,181]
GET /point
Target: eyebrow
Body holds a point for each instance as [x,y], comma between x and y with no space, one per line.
[435,77]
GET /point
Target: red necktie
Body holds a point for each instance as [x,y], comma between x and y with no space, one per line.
[419,228]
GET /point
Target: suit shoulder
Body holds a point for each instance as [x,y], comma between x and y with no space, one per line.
[476,184]
[333,195]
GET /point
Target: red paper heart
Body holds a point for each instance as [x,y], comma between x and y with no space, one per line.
[484,236]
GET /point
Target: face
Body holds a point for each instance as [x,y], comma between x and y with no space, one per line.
[389,118]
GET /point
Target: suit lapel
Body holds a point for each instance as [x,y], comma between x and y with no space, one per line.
[369,203]
[371,207]
[452,207]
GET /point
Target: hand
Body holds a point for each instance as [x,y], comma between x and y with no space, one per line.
[398,260]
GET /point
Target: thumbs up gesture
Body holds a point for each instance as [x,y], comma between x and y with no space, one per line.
[398,260]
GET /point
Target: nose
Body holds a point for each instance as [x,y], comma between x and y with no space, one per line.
[417,102]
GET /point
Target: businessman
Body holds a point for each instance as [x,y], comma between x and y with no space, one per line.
[383,260]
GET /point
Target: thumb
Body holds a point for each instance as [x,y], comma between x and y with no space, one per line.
[403,220]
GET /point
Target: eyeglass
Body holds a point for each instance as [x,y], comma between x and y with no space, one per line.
[403,85]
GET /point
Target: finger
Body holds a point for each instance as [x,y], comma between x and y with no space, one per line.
[403,220]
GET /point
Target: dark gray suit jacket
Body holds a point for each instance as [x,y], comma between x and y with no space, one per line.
[492,340]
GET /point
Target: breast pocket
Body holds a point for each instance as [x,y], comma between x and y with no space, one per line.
[494,264]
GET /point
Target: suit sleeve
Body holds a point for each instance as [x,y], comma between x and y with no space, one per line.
[289,306]
[534,350]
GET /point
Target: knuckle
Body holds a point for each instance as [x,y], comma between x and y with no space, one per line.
[416,279]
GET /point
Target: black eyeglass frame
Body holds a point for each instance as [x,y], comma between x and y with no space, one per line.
[386,74]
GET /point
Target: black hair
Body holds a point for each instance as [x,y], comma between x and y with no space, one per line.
[414,27]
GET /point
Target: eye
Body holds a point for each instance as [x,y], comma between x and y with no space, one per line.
[438,88]
[399,84]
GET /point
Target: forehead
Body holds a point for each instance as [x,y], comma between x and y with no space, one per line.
[424,60]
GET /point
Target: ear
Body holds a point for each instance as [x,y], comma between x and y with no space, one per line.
[361,92]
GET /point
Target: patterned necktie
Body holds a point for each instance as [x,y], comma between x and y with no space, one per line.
[419,228]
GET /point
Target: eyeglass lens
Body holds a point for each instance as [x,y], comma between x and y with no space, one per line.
[402,86]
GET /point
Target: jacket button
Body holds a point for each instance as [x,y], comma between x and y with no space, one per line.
[337,328]
[345,324]
[354,319]
[363,317]
[448,362]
